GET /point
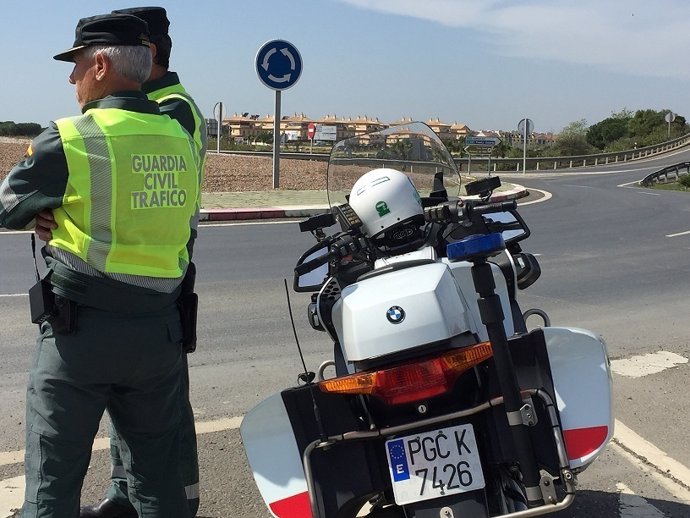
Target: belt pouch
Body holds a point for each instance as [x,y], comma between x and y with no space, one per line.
[42,301]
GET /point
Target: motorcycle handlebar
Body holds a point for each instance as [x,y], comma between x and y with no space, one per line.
[341,247]
[501,206]
[447,213]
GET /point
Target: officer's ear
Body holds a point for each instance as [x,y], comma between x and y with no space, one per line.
[103,65]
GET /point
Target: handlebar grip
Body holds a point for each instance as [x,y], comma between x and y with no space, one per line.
[437,214]
[313,264]
[502,206]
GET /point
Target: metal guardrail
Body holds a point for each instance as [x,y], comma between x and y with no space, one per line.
[569,162]
[666,173]
[515,164]
[319,157]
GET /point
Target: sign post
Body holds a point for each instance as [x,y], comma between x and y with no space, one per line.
[279,66]
[311,130]
[525,126]
[219,132]
[484,145]
[670,117]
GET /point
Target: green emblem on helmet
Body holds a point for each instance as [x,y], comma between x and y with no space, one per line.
[382,208]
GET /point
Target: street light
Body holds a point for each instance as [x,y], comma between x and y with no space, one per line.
[219,131]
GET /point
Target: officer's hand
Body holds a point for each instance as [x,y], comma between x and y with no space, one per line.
[45,224]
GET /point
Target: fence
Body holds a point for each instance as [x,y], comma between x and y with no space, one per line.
[569,162]
[515,164]
[663,175]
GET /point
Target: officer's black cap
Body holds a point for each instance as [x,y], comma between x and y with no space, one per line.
[107,29]
[156,17]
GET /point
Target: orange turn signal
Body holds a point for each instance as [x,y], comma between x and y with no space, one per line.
[412,381]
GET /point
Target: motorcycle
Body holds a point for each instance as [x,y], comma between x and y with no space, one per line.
[438,401]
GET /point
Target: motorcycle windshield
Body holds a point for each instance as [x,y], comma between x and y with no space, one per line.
[413,149]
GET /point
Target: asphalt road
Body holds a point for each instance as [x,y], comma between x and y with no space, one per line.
[608,264]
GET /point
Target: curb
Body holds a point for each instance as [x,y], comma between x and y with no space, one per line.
[246,214]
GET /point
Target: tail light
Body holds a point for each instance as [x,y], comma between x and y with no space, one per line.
[412,381]
[580,442]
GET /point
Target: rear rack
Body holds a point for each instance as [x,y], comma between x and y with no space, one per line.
[551,504]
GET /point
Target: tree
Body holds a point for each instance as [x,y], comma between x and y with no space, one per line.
[573,140]
[649,127]
[645,122]
[624,113]
[265,136]
[22,129]
[609,130]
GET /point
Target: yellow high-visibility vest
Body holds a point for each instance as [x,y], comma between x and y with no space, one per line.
[131,191]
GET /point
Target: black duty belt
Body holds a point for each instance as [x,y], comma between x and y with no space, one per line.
[107,294]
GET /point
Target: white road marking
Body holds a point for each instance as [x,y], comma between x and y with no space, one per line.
[13,295]
[678,234]
[11,495]
[645,364]
[634,506]
[649,193]
[103,443]
[668,472]
[636,183]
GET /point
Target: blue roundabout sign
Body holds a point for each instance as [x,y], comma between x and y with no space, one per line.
[278,64]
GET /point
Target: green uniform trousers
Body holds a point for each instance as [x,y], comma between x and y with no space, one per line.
[189,460]
[129,365]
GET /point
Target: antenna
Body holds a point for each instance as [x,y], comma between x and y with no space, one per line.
[306,377]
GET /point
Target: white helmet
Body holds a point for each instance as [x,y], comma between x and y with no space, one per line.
[385,199]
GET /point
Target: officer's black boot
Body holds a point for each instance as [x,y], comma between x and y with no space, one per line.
[108,509]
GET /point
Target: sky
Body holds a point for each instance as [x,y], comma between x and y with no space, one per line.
[484,63]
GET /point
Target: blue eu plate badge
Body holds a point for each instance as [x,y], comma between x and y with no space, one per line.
[398,460]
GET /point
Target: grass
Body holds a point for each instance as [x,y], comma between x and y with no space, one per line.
[671,186]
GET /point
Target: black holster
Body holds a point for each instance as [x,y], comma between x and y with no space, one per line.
[45,306]
[188,303]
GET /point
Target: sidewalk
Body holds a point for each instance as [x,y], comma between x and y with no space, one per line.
[232,206]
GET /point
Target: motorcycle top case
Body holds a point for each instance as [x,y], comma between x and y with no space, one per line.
[399,310]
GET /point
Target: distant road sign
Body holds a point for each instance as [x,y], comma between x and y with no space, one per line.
[311,129]
[278,64]
[478,150]
[326,132]
[482,141]
[530,126]
[670,117]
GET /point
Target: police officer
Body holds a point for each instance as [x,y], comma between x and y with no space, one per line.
[163,87]
[122,183]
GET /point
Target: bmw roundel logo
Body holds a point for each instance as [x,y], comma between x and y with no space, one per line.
[395,314]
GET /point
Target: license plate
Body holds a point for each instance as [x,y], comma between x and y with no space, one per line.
[434,464]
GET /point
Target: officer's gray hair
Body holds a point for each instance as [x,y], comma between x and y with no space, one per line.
[130,61]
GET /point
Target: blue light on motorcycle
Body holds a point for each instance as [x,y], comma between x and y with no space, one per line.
[473,247]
